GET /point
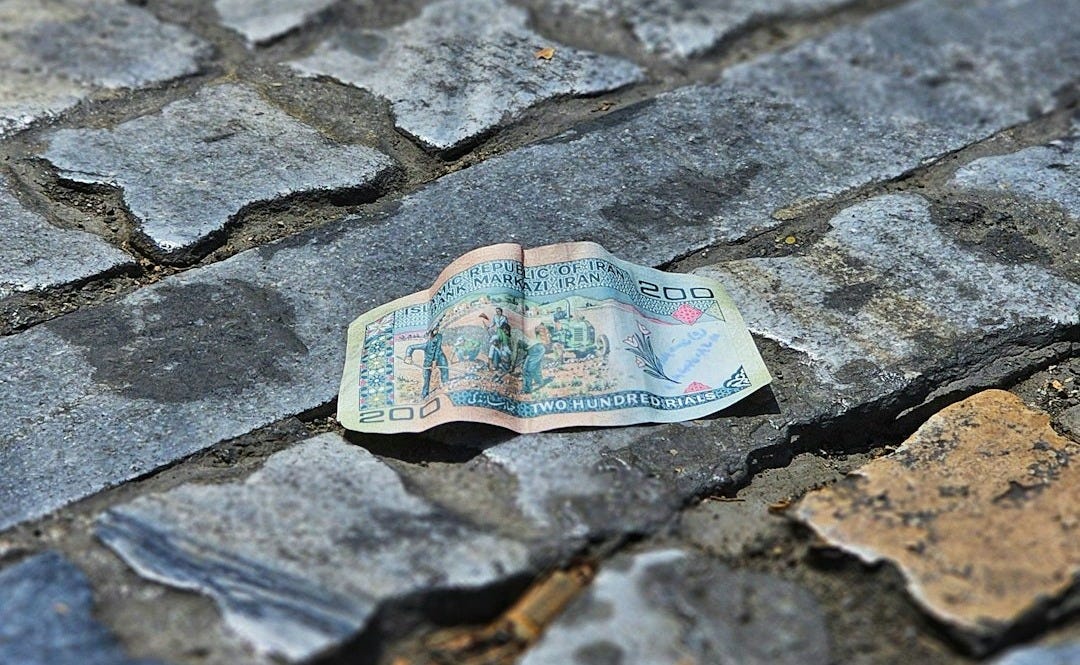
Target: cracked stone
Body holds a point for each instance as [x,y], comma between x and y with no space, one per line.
[885,287]
[303,552]
[36,255]
[671,606]
[461,68]
[46,606]
[187,171]
[261,21]
[959,507]
[55,54]
[1058,654]
[186,368]
[683,30]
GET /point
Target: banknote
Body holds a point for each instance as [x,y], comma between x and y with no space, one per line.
[555,336]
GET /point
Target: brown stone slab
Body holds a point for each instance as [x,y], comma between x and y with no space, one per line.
[979,508]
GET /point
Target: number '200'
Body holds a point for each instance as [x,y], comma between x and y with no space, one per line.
[400,413]
[675,292]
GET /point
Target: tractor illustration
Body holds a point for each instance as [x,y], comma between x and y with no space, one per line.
[572,337]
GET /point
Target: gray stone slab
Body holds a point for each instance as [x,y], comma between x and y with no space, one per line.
[679,29]
[884,289]
[461,68]
[671,606]
[1069,422]
[1059,654]
[1048,173]
[100,396]
[35,255]
[54,54]
[187,171]
[301,553]
[261,21]
[46,607]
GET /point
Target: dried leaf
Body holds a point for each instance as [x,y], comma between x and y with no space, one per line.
[546,53]
[779,506]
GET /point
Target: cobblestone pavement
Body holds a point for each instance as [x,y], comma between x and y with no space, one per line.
[196,197]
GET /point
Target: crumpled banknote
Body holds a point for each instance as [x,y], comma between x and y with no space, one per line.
[556,336]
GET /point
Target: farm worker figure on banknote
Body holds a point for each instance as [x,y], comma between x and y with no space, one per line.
[532,377]
[433,355]
[499,342]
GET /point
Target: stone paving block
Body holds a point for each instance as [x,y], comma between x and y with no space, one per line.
[978,509]
[302,553]
[1070,421]
[1037,190]
[103,395]
[883,289]
[261,21]
[671,606]
[574,484]
[461,68]
[685,29]
[46,607]
[1058,654]
[1049,173]
[54,54]
[36,255]
[187,171]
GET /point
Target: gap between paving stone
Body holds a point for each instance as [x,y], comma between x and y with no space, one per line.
[162,405]
[108,46]
[805,223]
[554,116]
[46,617]
[457,70]
[209,159]
[682,31]
[243,231]
[151,620]
[22,311]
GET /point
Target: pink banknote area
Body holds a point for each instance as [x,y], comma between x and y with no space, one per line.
[687,314]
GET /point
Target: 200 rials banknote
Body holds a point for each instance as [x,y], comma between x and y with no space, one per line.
[550,337]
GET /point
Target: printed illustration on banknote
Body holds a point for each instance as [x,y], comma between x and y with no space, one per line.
[549,337]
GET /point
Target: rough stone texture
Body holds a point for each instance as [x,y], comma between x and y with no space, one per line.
[749,524]
[1070,422]
[668,606]
[461,68]
[1060,654]
[960,507]
[883,288]
[261,21]
[187,171]
[106,394]
[301,553]
[45,617]
[1049,173]
[685,29]
[858,106]
[54,54]
[36,255]
[1037,190]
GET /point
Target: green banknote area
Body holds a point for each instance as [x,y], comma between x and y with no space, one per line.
[552,337]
